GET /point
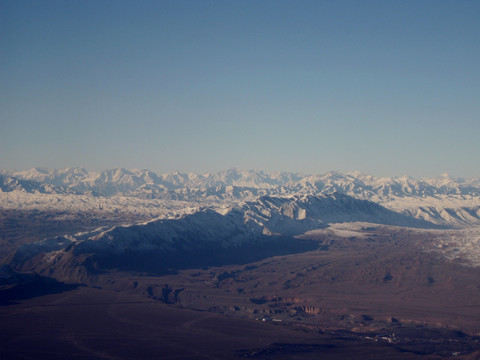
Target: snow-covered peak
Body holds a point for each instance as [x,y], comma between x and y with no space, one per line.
[235,183]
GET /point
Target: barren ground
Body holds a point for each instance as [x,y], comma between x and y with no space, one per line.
[371,292]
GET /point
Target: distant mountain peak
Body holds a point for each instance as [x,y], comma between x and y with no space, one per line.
[237,184]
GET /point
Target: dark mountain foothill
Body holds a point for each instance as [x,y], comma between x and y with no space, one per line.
[16,286]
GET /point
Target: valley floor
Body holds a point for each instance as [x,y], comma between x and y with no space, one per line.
[367,292]
[90,323]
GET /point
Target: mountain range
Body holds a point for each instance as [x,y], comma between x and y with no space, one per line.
[442,200]
[229,183]
[216,218]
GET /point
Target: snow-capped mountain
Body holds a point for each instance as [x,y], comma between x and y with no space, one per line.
[370,187]
[221,234]
[9,184]
[198,186]
[442,200]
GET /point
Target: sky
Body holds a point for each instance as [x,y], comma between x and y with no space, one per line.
[387,88]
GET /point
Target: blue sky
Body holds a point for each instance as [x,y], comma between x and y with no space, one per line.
[384,87]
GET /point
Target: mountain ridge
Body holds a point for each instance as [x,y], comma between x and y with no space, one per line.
[442,200]
[144,182]
[244,231]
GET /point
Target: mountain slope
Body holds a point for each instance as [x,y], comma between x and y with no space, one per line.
[238,234]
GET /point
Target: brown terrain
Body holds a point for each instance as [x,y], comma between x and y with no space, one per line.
[378,294]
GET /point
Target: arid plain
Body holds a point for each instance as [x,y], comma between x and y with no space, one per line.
[364,293]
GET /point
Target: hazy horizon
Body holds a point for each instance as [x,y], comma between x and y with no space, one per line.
[384,88]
